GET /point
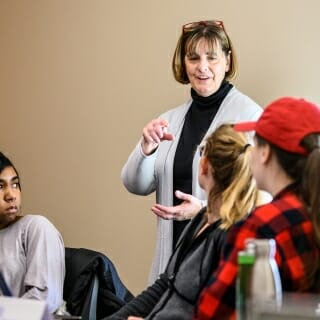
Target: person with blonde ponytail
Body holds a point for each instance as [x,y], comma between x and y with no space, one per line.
[234,189]
[224,173]
[285,163]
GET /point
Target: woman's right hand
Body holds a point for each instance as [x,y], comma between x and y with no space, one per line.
[188,208]
[153,133]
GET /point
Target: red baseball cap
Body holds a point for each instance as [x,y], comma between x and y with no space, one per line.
[285,122]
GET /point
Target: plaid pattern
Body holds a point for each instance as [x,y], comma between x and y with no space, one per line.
[286,221]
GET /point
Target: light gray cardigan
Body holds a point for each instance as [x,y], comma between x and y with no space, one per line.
[143,174]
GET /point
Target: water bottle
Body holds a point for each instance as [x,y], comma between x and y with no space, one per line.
[266,288]
[258,282]
[246,260]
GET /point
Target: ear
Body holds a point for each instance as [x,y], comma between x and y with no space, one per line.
[203,165]
[228,61]
[265,154]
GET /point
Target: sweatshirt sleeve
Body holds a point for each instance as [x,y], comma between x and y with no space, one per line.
[137,175]
[45,263]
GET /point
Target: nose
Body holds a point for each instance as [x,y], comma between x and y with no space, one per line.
[10,195]
[203,64]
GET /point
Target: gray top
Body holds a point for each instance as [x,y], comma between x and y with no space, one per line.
[32,260]
[176,291]
[143,174]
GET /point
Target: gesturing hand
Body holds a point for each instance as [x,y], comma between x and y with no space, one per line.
[184,211]
[153,133]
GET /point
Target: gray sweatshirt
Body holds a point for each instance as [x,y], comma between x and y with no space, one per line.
[32,260]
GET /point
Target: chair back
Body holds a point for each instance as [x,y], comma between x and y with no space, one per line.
[92,286]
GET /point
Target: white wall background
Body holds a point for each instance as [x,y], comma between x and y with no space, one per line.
[80,78]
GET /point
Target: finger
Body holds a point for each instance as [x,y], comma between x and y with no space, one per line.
[147,135]
[165,212]
[162,132]
[155,133]
[162,214]
[168,136]
[161,127]
[149,130]
[170,213]
[182,196]
[163,122]
[163,208]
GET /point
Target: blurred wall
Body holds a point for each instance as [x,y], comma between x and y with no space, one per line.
[80,78]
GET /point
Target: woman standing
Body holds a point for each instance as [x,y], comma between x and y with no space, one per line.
[164,160]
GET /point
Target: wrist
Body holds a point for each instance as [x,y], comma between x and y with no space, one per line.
[147,148]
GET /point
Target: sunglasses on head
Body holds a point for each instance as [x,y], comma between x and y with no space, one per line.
[192,25]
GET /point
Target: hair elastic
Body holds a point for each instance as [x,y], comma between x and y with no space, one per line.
[245,147]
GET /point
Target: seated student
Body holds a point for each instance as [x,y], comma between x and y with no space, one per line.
[224,173]
[285,162]
[31,249]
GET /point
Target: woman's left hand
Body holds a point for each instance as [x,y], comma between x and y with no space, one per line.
[184,211]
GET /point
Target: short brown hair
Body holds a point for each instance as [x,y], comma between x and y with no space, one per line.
[213,34]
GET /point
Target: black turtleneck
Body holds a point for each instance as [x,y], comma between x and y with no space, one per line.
[197,122]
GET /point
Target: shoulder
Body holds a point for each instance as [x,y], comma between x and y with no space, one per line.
[37,223]
[35,219]
[287,202]
[267,221]
[263,214]
[177,112]
[237,100]
[278,215]
[237,96]
[219,236]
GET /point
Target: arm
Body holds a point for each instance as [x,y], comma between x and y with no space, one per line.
[45,263]
[144,303]
[137,175]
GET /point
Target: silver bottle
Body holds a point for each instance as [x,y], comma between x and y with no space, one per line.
[266,288]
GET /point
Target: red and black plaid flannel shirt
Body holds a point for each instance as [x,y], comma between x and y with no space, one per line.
[285,220]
